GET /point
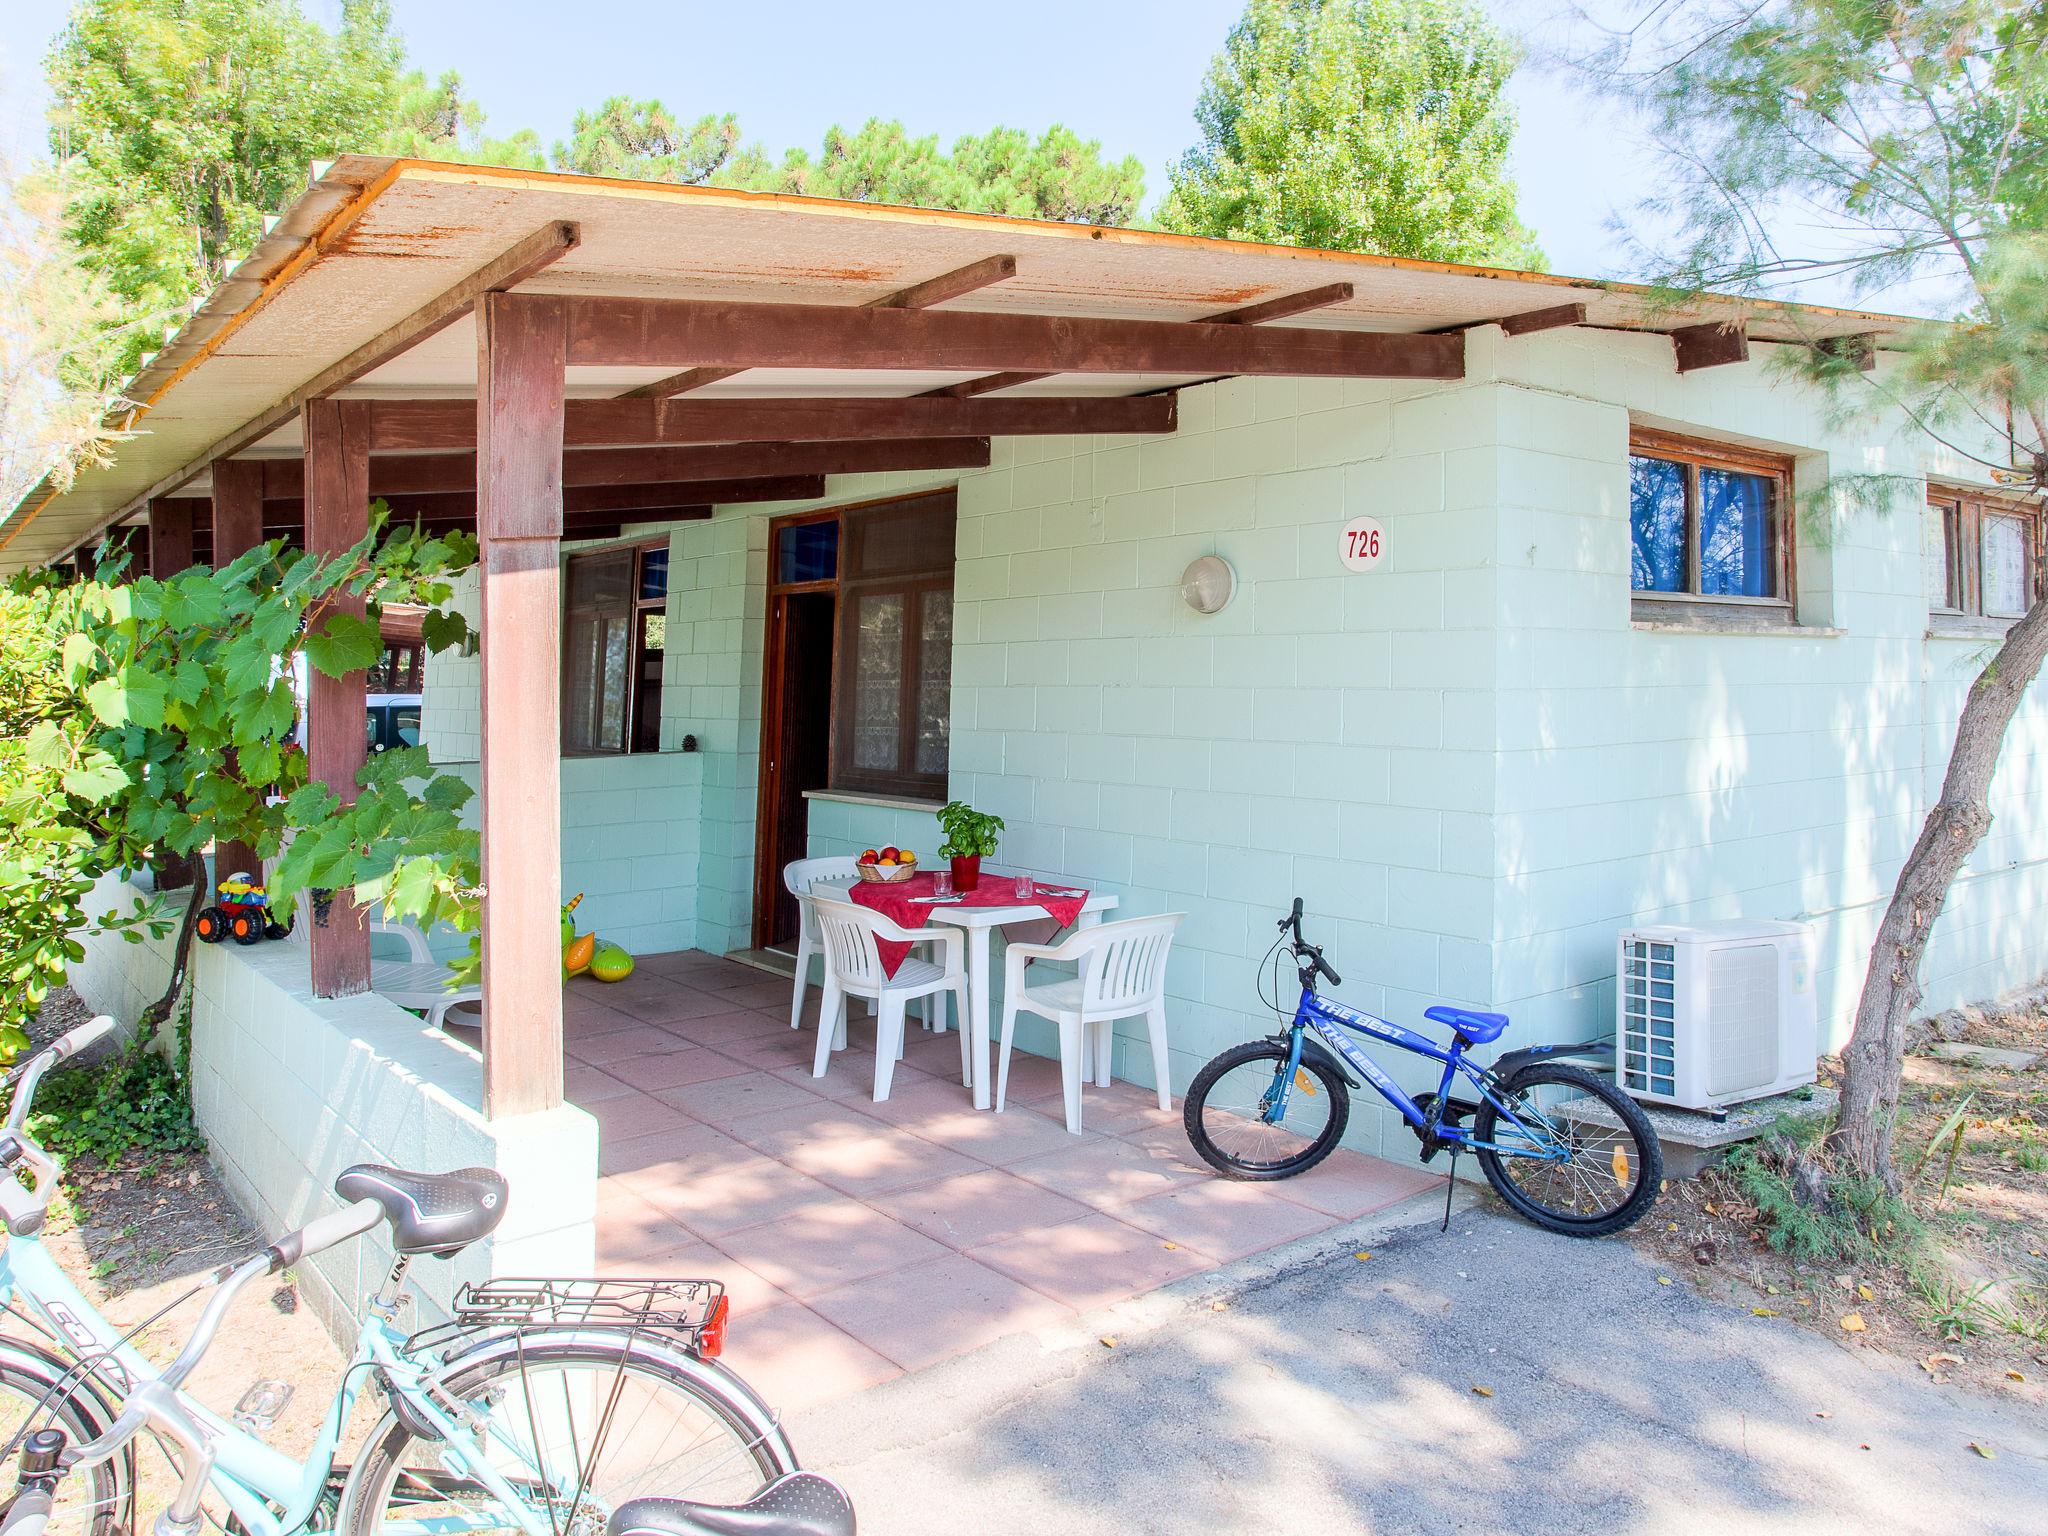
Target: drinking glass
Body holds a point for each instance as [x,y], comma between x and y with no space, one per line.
[942,882]
[1022,888]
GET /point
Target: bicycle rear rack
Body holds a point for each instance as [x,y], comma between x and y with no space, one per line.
[680,1309]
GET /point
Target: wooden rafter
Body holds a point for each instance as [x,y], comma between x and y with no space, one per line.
[510,267]
[415,425]
[620,332]
[1277,308]
[1710,346]
[1526,322]
[933,290]
[398,472]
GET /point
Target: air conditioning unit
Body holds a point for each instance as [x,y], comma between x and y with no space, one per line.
[1711,1014]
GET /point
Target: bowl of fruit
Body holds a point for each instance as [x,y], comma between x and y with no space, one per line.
[888,865]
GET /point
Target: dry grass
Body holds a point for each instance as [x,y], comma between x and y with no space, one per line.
[1957,1282]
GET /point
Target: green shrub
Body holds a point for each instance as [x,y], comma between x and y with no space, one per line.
[139,1104]
[1808,1210]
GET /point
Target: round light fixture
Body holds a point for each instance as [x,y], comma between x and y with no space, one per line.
[1208,584]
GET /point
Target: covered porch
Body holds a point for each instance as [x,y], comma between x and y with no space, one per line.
[862,1240]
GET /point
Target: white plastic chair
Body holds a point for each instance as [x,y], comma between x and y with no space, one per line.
[419,982]
[853,968]
[801,878]
[1122,974]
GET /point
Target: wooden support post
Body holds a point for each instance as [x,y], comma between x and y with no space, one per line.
[170,538]
[170,551]
[522,348]
[237,529]
[337,480]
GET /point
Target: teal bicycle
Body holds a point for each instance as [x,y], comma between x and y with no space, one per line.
[547,1407]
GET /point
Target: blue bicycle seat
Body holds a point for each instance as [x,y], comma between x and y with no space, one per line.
[1476,1027]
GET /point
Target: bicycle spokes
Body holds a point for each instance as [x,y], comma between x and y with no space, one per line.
[1257,1115]
[1570,1164]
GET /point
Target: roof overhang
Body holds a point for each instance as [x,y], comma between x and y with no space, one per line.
[375,244]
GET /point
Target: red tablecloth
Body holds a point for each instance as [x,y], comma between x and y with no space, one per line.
[896,900]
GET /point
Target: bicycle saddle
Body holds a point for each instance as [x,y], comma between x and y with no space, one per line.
[1474,1026]
[801,1504]
[436,1213]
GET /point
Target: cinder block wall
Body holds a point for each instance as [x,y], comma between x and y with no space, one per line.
[290,1090]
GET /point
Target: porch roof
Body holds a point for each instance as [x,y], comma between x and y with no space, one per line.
[351,274]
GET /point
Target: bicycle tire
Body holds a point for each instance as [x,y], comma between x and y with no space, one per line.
[392,1447]
[1237,1167]
[82,1416]
[1646,1160]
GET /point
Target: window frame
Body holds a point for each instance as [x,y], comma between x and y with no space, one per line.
[1726,610]
[1963,509]
[915,585]
[636,610]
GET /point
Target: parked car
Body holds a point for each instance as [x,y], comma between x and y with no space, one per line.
[393,720]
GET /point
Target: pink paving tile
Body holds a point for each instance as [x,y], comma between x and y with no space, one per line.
[771,1052]
[725,1099]
[920,1100]
[1224,1219]
[760,991]
[733,1026]
[1108,1173]
[1350,1184]
[621,1045]
[633,1236]
[1090,1262]
[660,1151]
[852,1152]
[932,1311]
[584,1084]
[1031,1078]
[730,1193]
[1122,1109]
[1006,1140]
[796,1359]
[584,1016]
[635,1114]
[675,1002]
[829,1243]
[849,1086]
[970,1209]
[677,1069]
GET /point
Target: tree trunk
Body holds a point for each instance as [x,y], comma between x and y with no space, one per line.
[181,962]
[1875,1055]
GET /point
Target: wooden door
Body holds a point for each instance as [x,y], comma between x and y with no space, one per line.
[796,733]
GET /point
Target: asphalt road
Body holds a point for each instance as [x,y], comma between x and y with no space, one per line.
[1337,1396]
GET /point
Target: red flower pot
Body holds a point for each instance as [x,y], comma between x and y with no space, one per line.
[966,872]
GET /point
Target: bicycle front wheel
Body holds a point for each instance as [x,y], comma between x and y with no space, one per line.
[1579,1157]
[95,1502]
[1228,1123]
[576,1428]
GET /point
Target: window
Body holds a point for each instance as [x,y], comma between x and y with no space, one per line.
[1982,558]
[614,633]
[889,569]
[1709,526]
[399,669]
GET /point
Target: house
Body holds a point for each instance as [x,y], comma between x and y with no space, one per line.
[1553,610]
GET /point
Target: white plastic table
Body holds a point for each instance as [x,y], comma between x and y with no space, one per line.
[978,923]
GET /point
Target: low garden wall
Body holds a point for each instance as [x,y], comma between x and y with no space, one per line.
[290,1089]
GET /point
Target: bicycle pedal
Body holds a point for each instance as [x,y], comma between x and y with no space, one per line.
[261,1405]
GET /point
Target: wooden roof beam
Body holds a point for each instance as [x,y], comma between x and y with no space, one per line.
[1523,324]
[413,425]
[1710,346]
[933,290]
[618,332]
[1277,308]
[400,472]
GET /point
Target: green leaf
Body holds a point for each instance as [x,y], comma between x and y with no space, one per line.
[443,629]
[78,657]
[345,643]
[96,782]
[130,697]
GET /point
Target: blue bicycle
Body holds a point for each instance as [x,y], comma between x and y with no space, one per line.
[1563,1147]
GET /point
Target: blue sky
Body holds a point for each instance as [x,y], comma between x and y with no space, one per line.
[1122,71]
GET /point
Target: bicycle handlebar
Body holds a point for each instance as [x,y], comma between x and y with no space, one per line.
[27,1513]
[1303,950]
[30,1073]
